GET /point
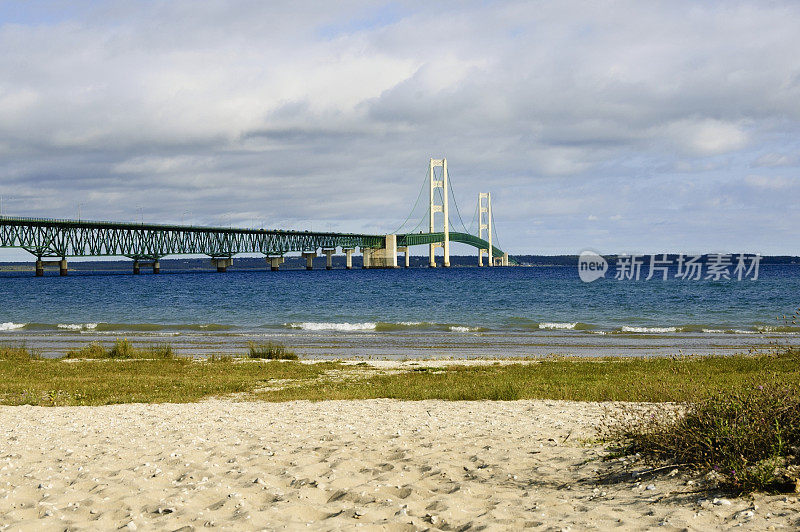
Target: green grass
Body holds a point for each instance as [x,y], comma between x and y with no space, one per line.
[53,382]
[18,352]
[122,349]
[612,379]
[270,351]
[123,373]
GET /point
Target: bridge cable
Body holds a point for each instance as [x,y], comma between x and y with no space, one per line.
[421,190]
[453,194]
[471,224]
[496,242]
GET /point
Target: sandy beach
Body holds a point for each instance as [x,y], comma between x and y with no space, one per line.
[333,465]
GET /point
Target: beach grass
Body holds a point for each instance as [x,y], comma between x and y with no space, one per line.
[111,380]
[742,440]
[270,351]
[120,377]
[122,349]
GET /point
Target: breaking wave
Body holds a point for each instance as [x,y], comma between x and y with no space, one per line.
[329,326]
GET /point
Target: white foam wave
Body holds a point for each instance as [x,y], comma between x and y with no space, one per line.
[628,328]
[556,325]
[461,328]
[326,326]
[10,326]
[728,331]
[77,326]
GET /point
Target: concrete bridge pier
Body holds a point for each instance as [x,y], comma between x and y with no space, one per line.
[41,264]
[329,258]
[222,263]
[501,260]
[348,252]
[275,262]
[385,257]
[405,250]
[309,256]
[138,264]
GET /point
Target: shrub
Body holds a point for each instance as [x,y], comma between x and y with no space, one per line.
[747,439]
[271,351]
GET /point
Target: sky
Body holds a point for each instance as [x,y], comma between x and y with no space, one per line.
[620,127]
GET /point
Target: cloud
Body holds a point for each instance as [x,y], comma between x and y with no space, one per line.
[707,136]
[290,112]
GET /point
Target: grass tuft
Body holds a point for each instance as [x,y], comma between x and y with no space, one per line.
[271,351]
[19,352]
[122,349]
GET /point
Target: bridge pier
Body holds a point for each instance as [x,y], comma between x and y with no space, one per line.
[137,266]
[404,249]
[329,258]
[309,256]
[501,260]
[41,264]
[275,263]
[222,264]
[385,257]
[348,252]
[432,262]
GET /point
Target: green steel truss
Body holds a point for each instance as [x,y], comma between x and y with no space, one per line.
[415,239]
[76,238]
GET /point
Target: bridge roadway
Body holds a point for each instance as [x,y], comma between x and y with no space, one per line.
[147,243]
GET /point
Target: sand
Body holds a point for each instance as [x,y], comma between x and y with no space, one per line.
[378,464]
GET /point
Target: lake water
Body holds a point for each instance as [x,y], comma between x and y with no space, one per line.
[419,312]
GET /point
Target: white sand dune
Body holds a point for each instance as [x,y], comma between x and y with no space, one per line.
[334,465]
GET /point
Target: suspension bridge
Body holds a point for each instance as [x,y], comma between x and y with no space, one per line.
[53,241]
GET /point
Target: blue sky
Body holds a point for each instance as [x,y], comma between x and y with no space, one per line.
[638,127]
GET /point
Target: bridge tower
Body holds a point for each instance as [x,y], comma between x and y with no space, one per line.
[434,208]
[485,222]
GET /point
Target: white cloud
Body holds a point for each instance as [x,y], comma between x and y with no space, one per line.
[770,183]
[707,136]
[330,111]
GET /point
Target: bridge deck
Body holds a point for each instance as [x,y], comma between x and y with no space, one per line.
[81,238]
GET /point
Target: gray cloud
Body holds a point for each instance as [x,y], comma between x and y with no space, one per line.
[669,123]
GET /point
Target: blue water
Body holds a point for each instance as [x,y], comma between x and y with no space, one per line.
[464,311]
